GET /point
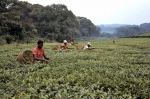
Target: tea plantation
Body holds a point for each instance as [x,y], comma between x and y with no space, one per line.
[119,70]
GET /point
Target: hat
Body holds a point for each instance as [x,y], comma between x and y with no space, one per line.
[65,41]
[88,43]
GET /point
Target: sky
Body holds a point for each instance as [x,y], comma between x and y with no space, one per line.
[134,12]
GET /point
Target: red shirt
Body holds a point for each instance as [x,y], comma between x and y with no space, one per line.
[39,52]
[64,46]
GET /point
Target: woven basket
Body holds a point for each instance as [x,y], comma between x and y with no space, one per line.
[25,57]
[80,47]
[55,47]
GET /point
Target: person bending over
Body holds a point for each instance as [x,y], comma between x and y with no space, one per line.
[87,47]
[73,42]
[39,53]
[64,45]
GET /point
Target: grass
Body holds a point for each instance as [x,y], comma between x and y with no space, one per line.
[145,34]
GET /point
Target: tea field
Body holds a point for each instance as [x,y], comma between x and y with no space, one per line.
[118,70]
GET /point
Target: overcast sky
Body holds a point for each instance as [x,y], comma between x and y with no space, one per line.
[106,11]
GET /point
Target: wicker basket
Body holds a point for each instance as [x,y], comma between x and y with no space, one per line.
[55,47]
[80,47]
[25,57]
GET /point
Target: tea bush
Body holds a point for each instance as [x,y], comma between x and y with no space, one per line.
[118,70]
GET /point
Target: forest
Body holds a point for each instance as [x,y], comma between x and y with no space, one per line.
[21,21]
[132,30]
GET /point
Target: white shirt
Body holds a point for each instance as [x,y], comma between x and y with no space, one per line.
[85,47]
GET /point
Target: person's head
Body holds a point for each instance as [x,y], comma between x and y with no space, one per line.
[40,44]
[65,41]
[88,44]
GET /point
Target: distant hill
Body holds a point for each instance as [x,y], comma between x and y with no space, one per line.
[143,35]
[125,30]
[109,28]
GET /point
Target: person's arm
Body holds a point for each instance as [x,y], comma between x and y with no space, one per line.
[62,47]
[67,47]
[45,57]
[89,48]
[37,58]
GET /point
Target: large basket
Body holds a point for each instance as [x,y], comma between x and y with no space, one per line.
[25,57]
[55,47]
[80,47]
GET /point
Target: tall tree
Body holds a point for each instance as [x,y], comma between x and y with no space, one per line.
[55,22]
[87,28]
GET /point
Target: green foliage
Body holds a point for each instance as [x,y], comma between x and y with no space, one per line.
[14,21]
[87,28]
[9,39]
[111,71]
[55,22]
[125,31]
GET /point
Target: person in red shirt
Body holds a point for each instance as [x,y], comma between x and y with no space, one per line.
[73,42]
[38,53]
[64,45]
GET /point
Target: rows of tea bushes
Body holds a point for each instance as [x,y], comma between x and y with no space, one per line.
[118,70]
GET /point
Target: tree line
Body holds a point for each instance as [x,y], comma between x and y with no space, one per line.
[127,30]
[22,21]
[132,30]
